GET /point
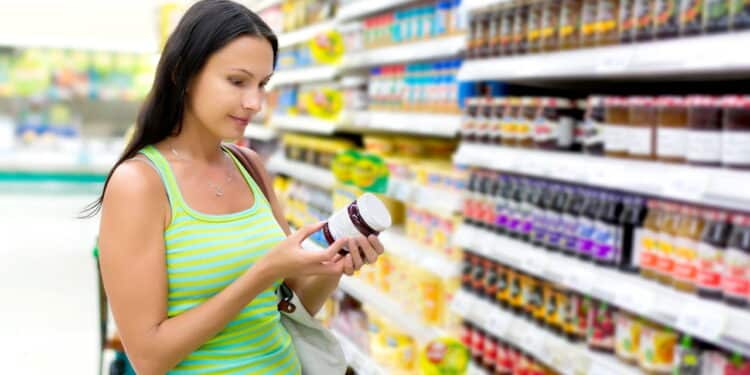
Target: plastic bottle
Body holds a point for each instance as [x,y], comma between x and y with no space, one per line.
[735,145]
[605,237]
[666,19]
[704,131]
[532,195]
[628,21]
[686,249]
[587,226]
[555,225]
[668,230]
[711,250]
[647,240]
[570,220]
[736,283]
[541,222]
[688,358]
[716,16]
[630,222]
[740,15]
[691,17]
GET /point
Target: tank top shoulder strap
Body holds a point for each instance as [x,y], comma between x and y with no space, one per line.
[165,172]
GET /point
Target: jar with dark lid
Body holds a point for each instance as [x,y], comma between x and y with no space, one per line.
[511,118]
[735,142]
[524,128]
[496,120]
[469,121]
[570,24]
[671,134]
[705,121]
[615,130]
[554,125]
[592,137]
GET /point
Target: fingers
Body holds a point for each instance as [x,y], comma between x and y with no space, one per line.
[354,247]
[306,231]
[331,254]
[348,265]
[376,244]
[367,250]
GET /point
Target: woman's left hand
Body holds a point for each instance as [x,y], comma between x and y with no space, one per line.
[362,250]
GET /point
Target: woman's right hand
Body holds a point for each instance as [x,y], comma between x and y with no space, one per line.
[289,259]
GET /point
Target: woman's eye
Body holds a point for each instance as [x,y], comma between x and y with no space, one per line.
[236,82]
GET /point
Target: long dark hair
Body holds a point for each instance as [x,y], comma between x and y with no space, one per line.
[205,28]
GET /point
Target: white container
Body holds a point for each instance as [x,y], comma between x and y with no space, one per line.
[363,217]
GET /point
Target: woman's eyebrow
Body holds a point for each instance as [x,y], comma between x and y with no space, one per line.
[244,71]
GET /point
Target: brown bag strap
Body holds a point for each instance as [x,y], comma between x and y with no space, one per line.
[248,161]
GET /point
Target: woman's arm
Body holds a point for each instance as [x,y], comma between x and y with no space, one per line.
[134,273]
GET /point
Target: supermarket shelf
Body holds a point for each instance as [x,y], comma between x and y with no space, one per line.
[307,124]
[395,242]
[363,8]
[87,44]
[301,171]
[359,361]
[409,123]
[556,352]
[407,52]
[719,54]
[387,307]
[260,132]
[55,162]
[304,34]
[709,186]
[711,321]
[432,199]
[303,75]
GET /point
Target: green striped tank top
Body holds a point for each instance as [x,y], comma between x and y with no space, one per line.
[205,253]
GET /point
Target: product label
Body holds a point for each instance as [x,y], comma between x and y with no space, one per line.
[544,130]
[647,245]
[691,14]
[514,220]
[704,146]
[554,228]
[539,231]
[737,277]
[666,15]
[710,265]
[501,208]
[570,229]
[490,351]
[527,218]
[585,243]
[569,18]
[549,19]
[685,253]
[588,18]
[665,263]
[604,239]
[508,127]
[639,141]
[606,16]
[735,148]
[627,20]
[671,142]
[592,133]
[636,247]
[615,138]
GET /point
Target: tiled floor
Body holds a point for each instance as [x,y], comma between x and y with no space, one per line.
[48,302]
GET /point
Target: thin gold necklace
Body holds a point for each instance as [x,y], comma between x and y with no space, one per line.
[218,189]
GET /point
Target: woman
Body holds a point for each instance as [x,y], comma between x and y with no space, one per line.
[190,250]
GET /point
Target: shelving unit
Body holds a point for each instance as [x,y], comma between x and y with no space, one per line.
[395,242]
[542,344]
[260,132]
[304,75]
[306,124]
[359,361]
[301,171]
[55,162]
[408,52]
[704,55]
[362,8]
[447,202]
[436,125]
[304,34]
[391,310]
[711,321]
[702,185]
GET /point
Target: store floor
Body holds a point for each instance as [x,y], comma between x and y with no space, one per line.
[48,301]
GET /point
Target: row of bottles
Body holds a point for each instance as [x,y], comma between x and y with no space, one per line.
[694,249]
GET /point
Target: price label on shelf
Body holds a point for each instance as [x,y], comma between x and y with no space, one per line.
[462,304]
[499,322]
[636,299]
[533,341]
[702,320]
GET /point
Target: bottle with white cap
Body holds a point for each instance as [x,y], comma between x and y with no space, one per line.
[365,216]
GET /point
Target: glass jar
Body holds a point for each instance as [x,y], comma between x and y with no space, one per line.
[704,118]
[570,24]
[640,135]
[524,129]
[615,130]
[511,117]
[554,125]
[592,132]
[671,129]
[496,121]
[735,143]
[550,39]
[589,13]
[534,27]
[468,124]
[607,22]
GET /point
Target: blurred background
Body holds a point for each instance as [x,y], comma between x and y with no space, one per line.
[568,178]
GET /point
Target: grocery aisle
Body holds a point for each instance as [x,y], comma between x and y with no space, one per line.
[48,291]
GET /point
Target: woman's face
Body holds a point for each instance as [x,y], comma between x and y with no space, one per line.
[230,89]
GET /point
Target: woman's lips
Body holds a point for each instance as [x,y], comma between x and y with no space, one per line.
[239,120]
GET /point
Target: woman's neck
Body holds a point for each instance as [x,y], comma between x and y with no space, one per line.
[195,143]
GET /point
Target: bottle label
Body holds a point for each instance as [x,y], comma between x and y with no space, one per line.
[704,146]
[501,208]
[647,254]
[615,138]
[606,16]
[539,231]
[664,263]
[570,228]
[639,141]
[527,220]
[737,277]
[604,239]
[685,253]
[514,220]
[509,128]
[554,225]
[588,18]
[710,265]
[735,148]
[585,242]
[544,130]
[671,142]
